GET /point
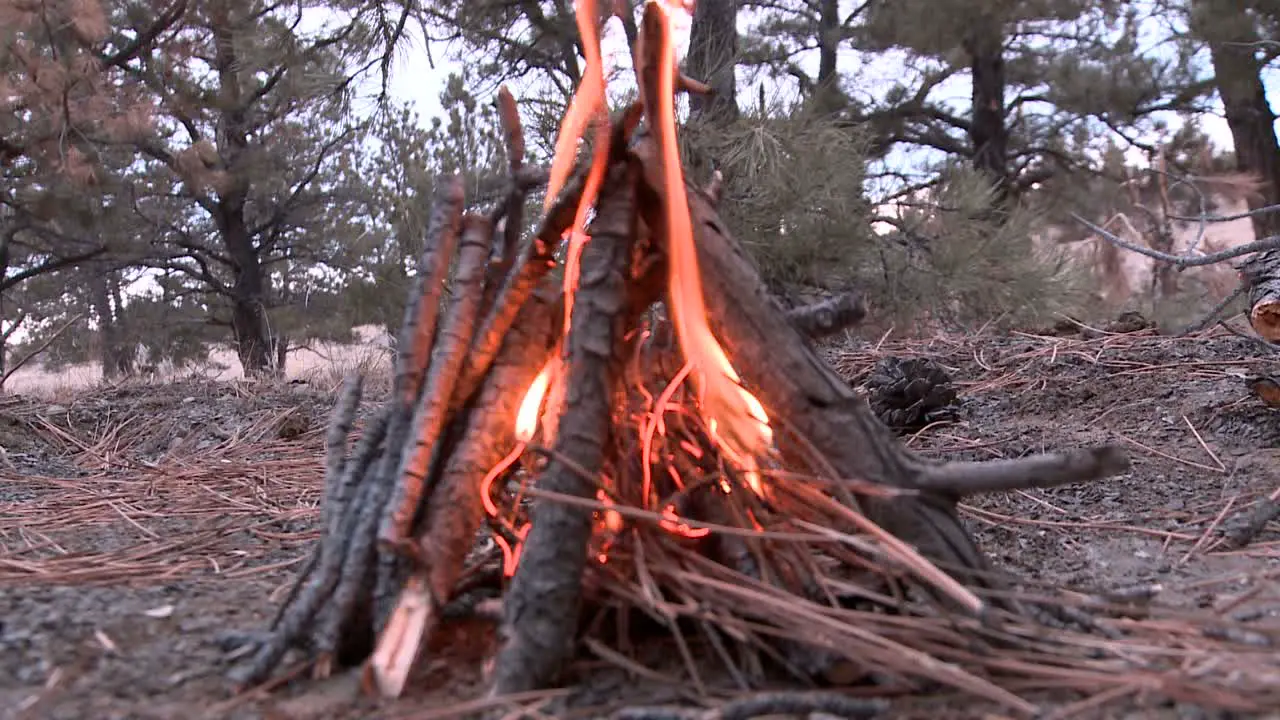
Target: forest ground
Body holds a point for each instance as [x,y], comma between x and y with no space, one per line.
[140,523]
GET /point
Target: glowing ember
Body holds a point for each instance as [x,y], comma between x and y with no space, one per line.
[511,555]
[612,518]
[672,523]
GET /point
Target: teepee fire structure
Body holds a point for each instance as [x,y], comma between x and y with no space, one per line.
[645,431]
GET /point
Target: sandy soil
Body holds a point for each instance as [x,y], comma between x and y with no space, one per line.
[140,526]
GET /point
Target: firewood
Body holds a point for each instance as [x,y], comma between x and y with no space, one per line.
[542,605]
[451,349]
[1262,273]
[454,512]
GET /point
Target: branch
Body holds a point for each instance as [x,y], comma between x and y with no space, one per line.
[828,317]
[1228,218]
[1184,261]
[39,349]
[1037,471]
[145,38]
[305,182]
[12,281]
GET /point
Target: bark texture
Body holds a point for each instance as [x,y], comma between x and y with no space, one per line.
[988,136]
[541,607]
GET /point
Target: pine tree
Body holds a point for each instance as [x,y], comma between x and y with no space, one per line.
[243,177]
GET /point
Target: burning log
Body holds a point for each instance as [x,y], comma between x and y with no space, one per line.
[542,605]
[834,428]
[659,480]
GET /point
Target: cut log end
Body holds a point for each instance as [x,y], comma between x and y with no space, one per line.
[1261,274]
[1265,318]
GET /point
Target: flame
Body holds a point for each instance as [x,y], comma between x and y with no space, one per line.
[587,105]
[587,100]
[737,419]
[531,405]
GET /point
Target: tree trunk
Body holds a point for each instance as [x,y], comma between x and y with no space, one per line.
[249,320]
[713,59]
[1233,41]
[248,293]
[281,342]
[988,135]
[828,98]
[112,354]
[5,236]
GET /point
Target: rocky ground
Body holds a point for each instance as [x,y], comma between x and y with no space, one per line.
[140,525]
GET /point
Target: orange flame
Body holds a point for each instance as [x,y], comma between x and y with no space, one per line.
[735,417]
[587,104]
[531,405]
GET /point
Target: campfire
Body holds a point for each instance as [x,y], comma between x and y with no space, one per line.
[644,433]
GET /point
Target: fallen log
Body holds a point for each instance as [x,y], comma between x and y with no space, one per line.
[1262,274]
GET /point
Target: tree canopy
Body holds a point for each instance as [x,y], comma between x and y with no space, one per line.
[178,174]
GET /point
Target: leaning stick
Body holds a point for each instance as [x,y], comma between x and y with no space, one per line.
[454,512]
[535,261]
[418,332]
[335,442]
[513,134]
[451,352]
[541,607]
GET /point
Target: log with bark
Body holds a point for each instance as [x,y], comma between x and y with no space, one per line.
[1261,273]
[572,391]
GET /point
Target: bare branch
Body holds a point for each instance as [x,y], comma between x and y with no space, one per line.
[39,349]
[1183,261]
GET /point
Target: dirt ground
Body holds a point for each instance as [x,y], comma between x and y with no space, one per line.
[142,526]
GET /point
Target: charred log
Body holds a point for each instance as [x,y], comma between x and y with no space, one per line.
[542,605]
[828,417]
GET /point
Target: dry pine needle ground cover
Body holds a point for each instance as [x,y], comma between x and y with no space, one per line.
[142,526]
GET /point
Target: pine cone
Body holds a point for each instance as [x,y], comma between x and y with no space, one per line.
[908,394]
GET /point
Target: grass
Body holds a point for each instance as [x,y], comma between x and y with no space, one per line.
[322,364]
